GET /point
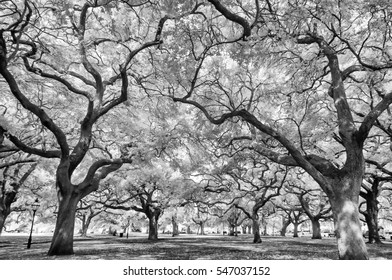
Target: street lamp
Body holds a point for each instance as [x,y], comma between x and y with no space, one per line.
[35,207]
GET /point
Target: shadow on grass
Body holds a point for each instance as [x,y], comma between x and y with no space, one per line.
[184,247]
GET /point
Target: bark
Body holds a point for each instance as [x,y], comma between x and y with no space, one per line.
[153,226]
[5,210]
[86,221]
[188,230]
[316,230]
[2,221]
[285,224]
[62,241]
[371,213]
[295,234]
[256,231]
[371,218]
[175,226]
[202,228]
[348,228]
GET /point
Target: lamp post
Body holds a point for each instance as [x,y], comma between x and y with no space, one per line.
[35,207]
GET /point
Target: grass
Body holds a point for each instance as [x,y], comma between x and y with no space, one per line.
[183,247]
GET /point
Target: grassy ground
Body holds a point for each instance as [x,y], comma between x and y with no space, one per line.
[184,247]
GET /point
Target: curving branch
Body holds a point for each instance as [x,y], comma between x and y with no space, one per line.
[233,17]
[30,150]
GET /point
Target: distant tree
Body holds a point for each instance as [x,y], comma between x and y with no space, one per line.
[14,176]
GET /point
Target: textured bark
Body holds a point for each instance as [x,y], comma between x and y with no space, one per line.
[371,213]
[256,231]
[348,229]
[343,194]
[371,218]
[62,241]
[316,230]
[153,226]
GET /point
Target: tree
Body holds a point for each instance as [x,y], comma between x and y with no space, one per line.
[235,219]
[378,173]
[150,190]
[312,201]
[86,211]
[201,217]
[10,183]
[286,220]
[325,53]
[293,211]
[96,87]
[371,189]
[316,208]
[256,189]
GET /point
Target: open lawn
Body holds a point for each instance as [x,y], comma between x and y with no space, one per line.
[183,247]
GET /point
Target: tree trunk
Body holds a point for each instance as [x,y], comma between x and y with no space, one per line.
[202,228]
[5,208]
[188,230]
[316,231]
[62,241]
[243,229]
[256,231]
[295,229]
[153,227]
[85,225]
[232,230]
[175,226]
[285,224]
[348,228]
[249,229]
[2,221]
[371,218]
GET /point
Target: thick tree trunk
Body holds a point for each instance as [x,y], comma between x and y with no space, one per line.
[348,228]
[188,230]
[285,224]
[256,231]
[62,241]
[153,227]
[295,229]
[202,228]
[372,220]
[175,226]
[316,230]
